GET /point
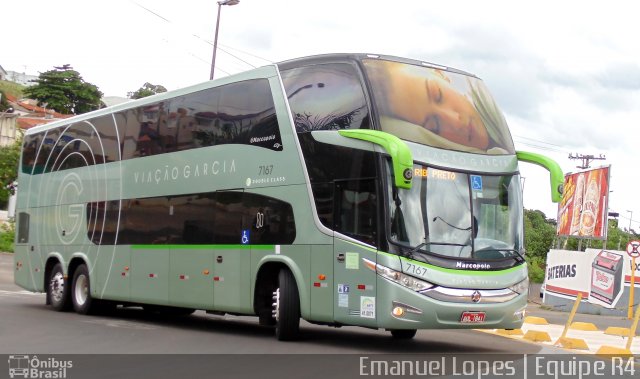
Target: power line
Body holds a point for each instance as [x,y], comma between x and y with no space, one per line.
[539,141]
[246,52]
[586,159]
[150,11]
[199,37]
[547,148]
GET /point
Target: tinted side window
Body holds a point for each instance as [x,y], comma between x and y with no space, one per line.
[129,121]
[271,220]
[237,113]
[23,228]
[50,148]
[209,218]
[31,161]
[153,136]
[247,115]
[192,119]
[81,144]
[356,209]
[327,164]
[145,221]
[326,97]
[109,132]
[102,222]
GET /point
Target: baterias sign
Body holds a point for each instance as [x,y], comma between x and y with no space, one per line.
[600,275]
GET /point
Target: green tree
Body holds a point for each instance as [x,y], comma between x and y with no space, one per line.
[617,239]
[4,104]
[147,89]
[539,233]
[64,90]
[9,157]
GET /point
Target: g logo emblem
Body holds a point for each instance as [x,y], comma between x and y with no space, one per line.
[69,215]
[407,174]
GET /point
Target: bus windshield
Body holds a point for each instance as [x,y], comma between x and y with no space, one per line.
[437,107]
[458,215]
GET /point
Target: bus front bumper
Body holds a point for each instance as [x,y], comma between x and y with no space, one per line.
[402,308]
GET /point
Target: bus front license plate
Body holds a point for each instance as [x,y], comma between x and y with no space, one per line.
[472,317]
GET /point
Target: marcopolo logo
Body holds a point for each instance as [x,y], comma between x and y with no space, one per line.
[24,366]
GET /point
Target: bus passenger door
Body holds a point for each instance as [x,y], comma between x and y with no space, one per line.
[232,253]
[355,207]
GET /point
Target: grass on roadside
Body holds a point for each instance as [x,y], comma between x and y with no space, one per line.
[11,88]
[7,233]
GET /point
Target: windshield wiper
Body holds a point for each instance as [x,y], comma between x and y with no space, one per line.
[409,254]
[516,256]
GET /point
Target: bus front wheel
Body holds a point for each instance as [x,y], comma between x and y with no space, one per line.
[58,290]
[403,334]
[286,307]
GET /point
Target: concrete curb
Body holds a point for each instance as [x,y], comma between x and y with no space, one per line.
[578,341]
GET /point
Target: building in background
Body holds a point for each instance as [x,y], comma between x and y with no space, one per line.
[21,78]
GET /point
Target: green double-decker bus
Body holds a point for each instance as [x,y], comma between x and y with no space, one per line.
[344,189]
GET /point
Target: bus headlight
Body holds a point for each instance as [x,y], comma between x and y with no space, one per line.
[398,277]
[521,287]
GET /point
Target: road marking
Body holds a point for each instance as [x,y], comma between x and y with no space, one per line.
[19,293]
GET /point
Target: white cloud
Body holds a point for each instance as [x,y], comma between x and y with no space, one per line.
[565,73]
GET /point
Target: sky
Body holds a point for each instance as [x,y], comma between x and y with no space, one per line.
[565,73]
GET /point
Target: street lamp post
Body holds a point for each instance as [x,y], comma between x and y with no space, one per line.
[215,39]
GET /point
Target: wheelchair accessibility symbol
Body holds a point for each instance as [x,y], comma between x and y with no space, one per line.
[245,237]
[476,182]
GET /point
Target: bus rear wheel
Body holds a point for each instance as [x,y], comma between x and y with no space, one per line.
[58,293]
[81,298]
[403,334]
[286,307]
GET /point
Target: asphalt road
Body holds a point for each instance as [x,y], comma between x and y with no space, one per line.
[28,325]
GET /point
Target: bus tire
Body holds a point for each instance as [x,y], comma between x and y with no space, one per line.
[81,298]
[286,307]
[58,291]
[403,334]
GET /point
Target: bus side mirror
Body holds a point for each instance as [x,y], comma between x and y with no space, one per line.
[401,157]
[557,177]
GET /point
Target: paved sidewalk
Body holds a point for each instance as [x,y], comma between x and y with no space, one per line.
[593,339]
[558,318]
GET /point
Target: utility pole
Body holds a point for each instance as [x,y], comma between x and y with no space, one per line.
[586,159]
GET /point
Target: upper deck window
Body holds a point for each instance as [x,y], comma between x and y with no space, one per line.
[237,113]
[326,97]
[438,108]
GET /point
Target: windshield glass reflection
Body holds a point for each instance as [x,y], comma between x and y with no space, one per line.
[458,215]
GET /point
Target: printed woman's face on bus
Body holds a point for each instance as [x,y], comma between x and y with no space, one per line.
[433,103]
[451,115]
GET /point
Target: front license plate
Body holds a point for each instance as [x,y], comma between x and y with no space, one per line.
[472,317]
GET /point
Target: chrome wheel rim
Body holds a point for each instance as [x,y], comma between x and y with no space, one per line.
[276,304]
[56,287]
[81,290]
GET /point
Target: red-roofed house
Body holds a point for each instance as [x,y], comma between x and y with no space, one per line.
[26,115]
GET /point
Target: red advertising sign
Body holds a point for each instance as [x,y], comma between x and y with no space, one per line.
[583,209]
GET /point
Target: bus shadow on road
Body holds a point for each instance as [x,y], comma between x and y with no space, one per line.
[347,339]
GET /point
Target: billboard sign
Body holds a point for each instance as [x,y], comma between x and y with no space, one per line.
[582,212]
[599,275]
